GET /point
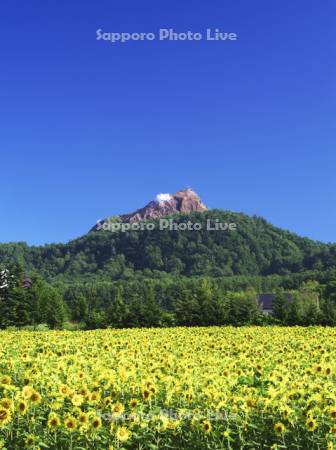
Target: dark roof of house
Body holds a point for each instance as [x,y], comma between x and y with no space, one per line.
[266,300]
[27,283]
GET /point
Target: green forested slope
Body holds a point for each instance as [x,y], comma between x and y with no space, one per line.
[255,248]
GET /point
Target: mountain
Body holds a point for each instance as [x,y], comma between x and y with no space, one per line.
[173,262]
[184,201]
[253,248]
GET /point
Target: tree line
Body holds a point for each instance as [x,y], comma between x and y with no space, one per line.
[174,301]
[20,306]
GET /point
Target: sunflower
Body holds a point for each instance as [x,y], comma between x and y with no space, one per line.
[77,400]
[30,440]
[5,380]
[6,403]
[84,391]
[5,416]
[94,397]
[64,389]
[108,401]
[279,428]
[123,434]
[328,371]
[70,423]
[53,421]
[311,424]
[83,418]
[332,413]
[96,423]
[250,402]
[206,426]
[146,394]
[118,408]
[57,404]
[35,397]
[27,392]
[133,403]
[22,406]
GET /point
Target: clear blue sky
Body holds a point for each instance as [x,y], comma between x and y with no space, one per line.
[89,129]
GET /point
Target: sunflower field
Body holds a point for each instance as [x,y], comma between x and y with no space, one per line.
[176,388]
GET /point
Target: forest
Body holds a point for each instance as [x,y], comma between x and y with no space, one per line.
[164,277]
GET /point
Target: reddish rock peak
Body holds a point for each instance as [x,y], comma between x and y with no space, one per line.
[185,201]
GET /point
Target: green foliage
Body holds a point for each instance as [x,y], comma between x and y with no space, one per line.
[21,307]
[243,308]
[281,306]
[255,248]
[165,278]
[159,302]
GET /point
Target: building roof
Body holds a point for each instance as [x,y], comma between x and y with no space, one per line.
[267,300]
[27,283]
